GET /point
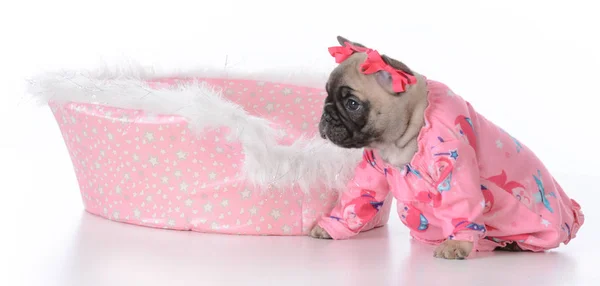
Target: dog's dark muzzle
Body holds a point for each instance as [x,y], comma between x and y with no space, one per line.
[332,128]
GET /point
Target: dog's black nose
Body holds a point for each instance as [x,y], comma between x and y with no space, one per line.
[323,132]
[323,129]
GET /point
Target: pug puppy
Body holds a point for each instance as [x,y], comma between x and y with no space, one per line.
[362,111]
[469,187]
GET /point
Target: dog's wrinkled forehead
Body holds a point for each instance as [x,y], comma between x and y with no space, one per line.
[346,76]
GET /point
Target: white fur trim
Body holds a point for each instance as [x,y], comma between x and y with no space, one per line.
[307,163]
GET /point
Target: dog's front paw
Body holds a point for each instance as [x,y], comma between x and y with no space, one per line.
[319,232]
[453,249]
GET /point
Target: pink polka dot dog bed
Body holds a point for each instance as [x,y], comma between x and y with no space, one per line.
[200,152]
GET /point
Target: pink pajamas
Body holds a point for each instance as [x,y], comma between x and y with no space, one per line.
[469,180]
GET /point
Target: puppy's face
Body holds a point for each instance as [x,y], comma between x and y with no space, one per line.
[363,110]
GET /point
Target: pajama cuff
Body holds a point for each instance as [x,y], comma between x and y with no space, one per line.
[335,229]
[471,236]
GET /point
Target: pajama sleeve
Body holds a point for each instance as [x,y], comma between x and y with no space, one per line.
[360,202]
[456,176]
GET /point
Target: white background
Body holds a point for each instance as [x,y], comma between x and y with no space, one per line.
[530,66]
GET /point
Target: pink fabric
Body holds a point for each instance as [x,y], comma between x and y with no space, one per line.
[470,180]
[151,170]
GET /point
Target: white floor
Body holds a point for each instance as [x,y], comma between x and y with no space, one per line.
[532,74]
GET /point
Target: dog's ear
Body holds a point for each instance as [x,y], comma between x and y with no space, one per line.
[397,64]
[343,41]
[384,79]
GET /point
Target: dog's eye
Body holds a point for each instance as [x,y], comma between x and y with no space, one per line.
[352,105]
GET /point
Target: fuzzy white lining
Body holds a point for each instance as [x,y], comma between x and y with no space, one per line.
[307,163]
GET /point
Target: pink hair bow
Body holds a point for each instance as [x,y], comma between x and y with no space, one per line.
[342,53]
[373,64]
